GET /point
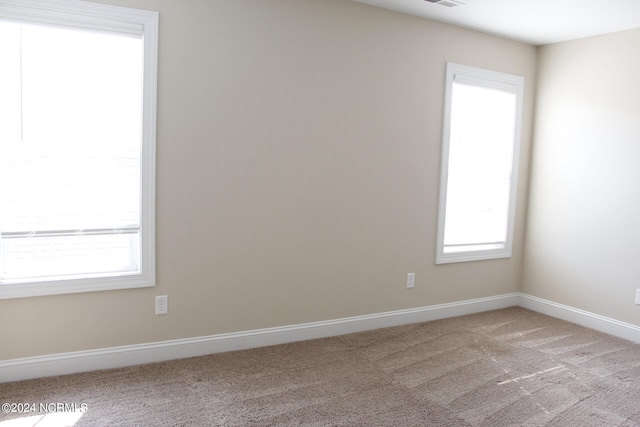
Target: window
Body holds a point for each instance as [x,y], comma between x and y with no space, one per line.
[481,138]
[77,147]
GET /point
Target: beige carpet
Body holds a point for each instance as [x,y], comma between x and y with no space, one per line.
[510,367]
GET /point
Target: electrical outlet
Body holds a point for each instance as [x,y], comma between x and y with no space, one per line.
[162,304]
[411,280]
[638,296]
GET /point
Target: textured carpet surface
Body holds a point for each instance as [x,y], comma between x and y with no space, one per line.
[509,367]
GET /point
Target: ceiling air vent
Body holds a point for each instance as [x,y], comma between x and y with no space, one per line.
[448,3]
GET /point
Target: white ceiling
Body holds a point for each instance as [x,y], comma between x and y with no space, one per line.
[536,22]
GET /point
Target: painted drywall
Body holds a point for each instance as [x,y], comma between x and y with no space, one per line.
[583,232]
[298,161]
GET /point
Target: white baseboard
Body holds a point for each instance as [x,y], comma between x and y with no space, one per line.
[117,357]
[584,318]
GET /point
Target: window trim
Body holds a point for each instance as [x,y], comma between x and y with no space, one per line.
[99,17]
[492,79]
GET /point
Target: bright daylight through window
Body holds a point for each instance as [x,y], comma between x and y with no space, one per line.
[77,147]
[479,164]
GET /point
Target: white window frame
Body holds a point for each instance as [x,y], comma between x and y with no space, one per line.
[78,14]
[484,78]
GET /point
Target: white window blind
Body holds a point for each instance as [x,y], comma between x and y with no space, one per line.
[76,147]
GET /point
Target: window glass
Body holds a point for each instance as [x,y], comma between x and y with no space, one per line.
[479,164]
[76,149]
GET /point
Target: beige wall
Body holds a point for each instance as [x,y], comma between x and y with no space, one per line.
[584,234]
[298,166]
